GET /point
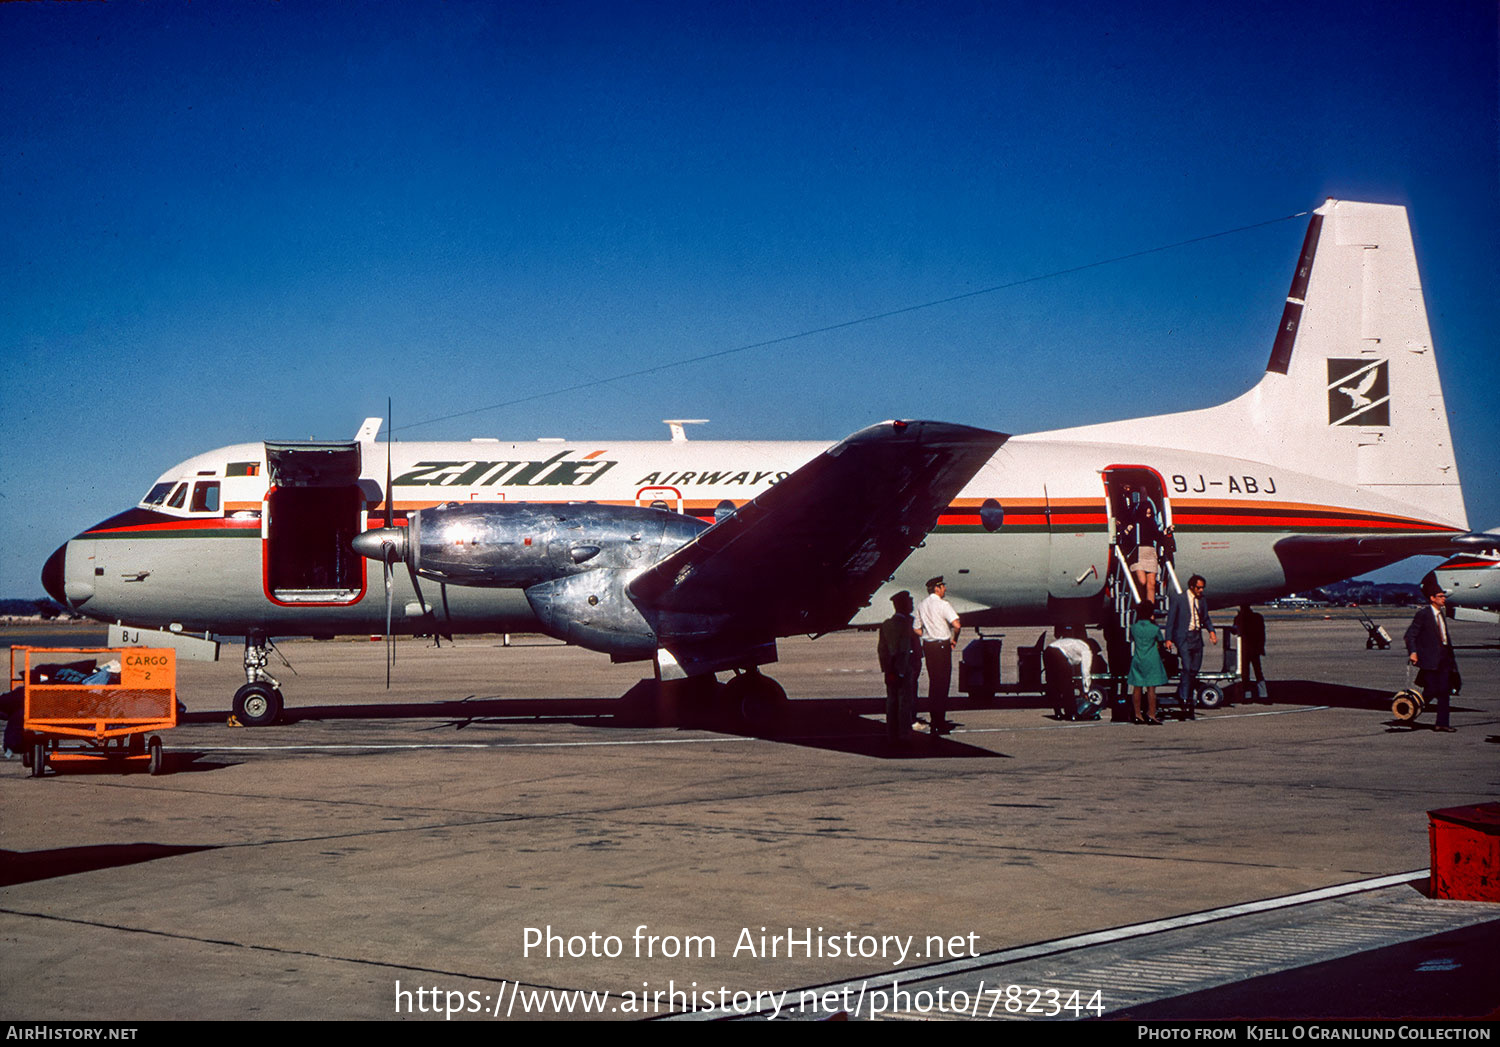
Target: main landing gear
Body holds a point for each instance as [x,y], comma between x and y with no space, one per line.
[259,702]
[759,699]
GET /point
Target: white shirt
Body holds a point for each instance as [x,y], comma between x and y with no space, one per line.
[1080,654]
[937,617]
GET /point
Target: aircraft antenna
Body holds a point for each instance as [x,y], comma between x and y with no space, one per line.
[825,329]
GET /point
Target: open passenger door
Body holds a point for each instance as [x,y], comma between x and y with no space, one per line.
[312,512]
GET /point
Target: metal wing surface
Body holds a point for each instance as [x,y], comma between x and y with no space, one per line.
[807,554]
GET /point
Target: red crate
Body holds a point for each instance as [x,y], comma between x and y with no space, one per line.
[1465,852]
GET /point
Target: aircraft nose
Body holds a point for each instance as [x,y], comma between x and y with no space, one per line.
[53,575]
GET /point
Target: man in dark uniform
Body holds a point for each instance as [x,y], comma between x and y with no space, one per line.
[901,660]
[1252,630]
[1430,649]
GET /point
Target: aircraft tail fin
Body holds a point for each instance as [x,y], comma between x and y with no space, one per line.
[1351,391]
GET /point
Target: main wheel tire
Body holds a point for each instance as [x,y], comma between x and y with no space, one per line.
[762,699]
[39,759]
[1210,697]
[257,705]
[157,759]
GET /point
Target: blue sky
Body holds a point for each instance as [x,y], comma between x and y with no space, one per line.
[230,222]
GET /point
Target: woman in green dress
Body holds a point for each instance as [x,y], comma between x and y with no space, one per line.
[1146,669]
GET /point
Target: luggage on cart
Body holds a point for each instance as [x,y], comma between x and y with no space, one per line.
[1375,635]
[979,668]
[105,702]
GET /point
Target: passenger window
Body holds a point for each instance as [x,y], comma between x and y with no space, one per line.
[178,497]
[206,497]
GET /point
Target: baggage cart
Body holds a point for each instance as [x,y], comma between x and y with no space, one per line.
[1376,638]
[95,704]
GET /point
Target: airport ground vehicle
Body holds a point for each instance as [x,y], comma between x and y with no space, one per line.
[982,679]
[94,705]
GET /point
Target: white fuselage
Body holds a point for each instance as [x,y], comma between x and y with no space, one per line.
[1028,540]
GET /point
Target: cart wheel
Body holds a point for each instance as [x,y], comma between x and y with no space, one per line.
[257,705]
[39,759]
[1210,697]
[157,760]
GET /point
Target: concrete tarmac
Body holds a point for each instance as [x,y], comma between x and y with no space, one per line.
[518,831]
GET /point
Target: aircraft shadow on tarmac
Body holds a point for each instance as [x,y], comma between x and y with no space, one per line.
[1342,696]
[18,867]
[835,724]
[1319,692]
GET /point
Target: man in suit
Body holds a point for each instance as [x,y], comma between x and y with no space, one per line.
[1429,648]
[1186,620]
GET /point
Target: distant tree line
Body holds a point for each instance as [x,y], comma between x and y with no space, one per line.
[47,609]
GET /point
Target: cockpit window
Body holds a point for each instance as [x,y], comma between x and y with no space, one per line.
[157,494]
[178,497]
[205,496]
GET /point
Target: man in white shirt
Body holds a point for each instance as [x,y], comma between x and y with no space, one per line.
[940,628]
[1059,658]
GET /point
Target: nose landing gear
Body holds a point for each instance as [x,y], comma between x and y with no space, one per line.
[259,702]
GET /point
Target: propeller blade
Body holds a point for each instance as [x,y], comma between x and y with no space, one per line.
[388,491]
[422,602]
[390,643]
[447,614]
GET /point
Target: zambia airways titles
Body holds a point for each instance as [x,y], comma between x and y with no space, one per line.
[561,471]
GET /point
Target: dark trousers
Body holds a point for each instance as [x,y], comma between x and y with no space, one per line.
[1254,671]
[1191,653]
[1061,682]
[1436,686]
[901,700]
[939,657]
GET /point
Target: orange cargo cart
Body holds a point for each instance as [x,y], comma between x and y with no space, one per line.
[107,699]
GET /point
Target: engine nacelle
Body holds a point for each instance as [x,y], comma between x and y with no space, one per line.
[593,610]
[574,560]
[521,544]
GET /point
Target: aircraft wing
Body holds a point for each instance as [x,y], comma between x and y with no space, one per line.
[807,554]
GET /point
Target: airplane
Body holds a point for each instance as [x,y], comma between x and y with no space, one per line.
[1472,582]
[698,555]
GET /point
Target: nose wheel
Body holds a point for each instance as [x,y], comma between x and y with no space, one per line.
[259,702]
[257,705]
